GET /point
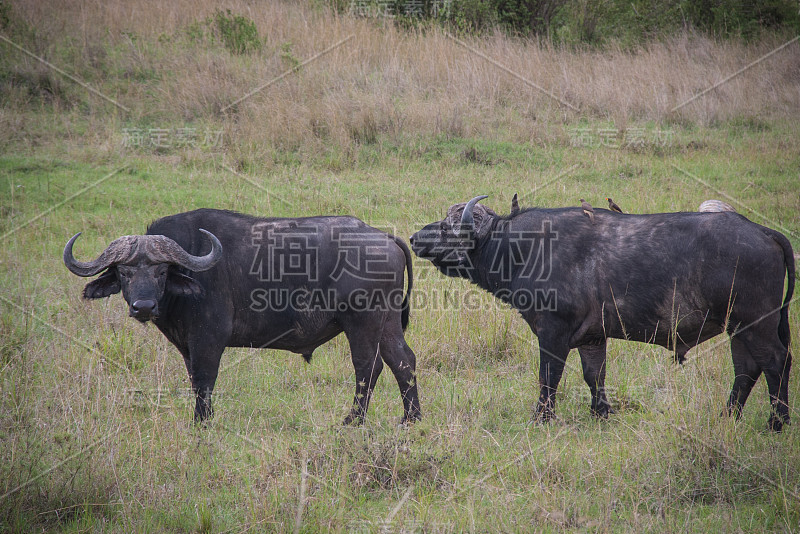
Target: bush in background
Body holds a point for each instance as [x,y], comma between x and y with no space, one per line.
[629,22]
[238,33]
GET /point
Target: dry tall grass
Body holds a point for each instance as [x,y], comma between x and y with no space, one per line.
[383,81]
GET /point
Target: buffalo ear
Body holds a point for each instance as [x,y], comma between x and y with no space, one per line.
[483,218]
[183,286]
[104,285]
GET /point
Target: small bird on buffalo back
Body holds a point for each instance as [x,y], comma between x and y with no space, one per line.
[514,204]
[613,206]
[588,210]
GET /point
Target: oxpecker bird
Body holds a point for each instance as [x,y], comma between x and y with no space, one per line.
[514,204]
[613,206]
[587,210]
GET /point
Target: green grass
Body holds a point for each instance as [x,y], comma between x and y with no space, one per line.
[77,374]
[95,409]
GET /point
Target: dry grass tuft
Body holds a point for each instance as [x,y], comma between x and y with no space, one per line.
[162,61]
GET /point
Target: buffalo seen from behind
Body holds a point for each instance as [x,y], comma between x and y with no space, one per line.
[671,279]
[210,279]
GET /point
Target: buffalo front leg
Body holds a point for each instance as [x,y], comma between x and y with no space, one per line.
[205,360]
[552,359]
[593,360]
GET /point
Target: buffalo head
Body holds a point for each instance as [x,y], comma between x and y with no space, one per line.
[144,268]
[448,243]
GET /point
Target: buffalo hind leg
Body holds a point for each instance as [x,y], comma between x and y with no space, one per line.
[777,377]
[368,366]
[593,360]
[772,357]
[746,373]
[403,363]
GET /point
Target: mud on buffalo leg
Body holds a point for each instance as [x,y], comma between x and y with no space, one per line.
[553,354]
[593,360]
[363,339]
[403,363]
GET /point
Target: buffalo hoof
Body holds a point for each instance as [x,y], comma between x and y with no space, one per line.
[732,409]
[776,422]
[203,410]
[202,420]
[601,408]
[730,412]
[353,420]
[544,412]
[543,416]
[542,421]
[410,419]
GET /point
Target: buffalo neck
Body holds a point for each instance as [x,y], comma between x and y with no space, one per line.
[491,268]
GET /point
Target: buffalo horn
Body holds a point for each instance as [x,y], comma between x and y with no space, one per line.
[161,249]
[466,216]
[158,248]
[118,251]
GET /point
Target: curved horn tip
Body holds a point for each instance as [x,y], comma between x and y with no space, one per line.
[211,259]
[68,246]
[466,215]
[471,203]
[80,268]
[73,238]
[212,237]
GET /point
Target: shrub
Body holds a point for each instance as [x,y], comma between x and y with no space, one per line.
[629,22]
[238,33]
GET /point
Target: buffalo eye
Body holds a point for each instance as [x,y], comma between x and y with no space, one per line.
[125,271]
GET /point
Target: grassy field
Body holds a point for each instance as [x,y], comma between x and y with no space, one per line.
[95,409]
